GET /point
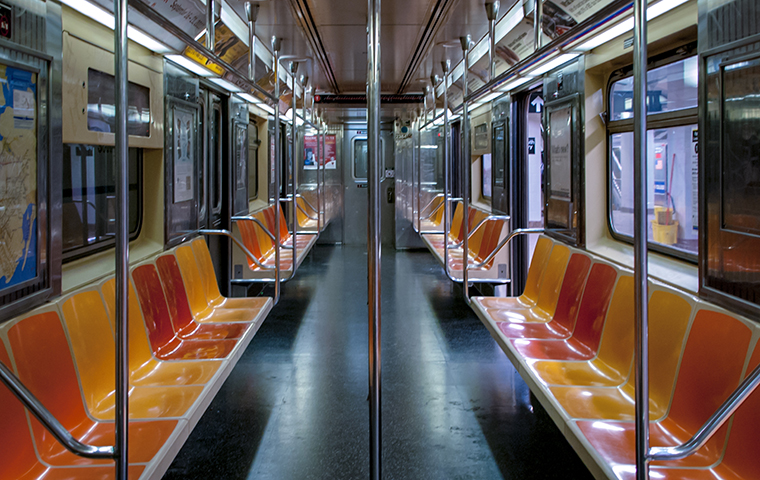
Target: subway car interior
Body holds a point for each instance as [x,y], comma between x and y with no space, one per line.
[338,239]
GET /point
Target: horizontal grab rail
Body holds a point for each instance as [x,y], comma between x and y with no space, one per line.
[712,424]
[227,233]
[48,421]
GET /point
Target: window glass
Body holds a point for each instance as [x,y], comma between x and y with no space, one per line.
[253,161]
[101,107]
[360,159]
[669,88]
[672,186]
[485,163]
[89,196]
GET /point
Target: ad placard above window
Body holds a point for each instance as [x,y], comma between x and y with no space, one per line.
[101,107]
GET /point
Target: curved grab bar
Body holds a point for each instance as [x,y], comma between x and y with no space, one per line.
[258,222]
[47,419]
[306,201]
[479,224]
[503,243]
[227,233]
[706,431]
[305,213]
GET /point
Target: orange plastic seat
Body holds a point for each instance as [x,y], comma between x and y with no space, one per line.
[529,296]
[18,459]
[211,287]
[144,368]
[44,365]
[587,331]
[710,370]
[741,460]
[455,229]
[669,316]
[164,341]
[179,308]
[562,323]
[93,345]
[200,307]
[548,294]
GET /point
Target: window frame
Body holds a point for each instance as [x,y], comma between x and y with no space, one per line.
[109,241]
[655,121]
[360,138]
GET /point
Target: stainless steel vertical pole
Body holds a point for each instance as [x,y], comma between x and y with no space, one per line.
[320,153]
[538,18]
[492,11]
[373,234]
[434,82]
[445,66]
[293,163]
[276,67]
[121,445]
[419,176]
[211,24]
[640,220]
[251,13]
[465,159]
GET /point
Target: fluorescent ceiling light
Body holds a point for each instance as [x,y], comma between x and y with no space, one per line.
[194,67]
[105,18]
[626,25]
[490,97]
[514,16]
[514,84]
[266,108]
[226,85]
[554,63]
[249,98]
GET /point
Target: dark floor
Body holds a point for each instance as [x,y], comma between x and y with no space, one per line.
[453,407]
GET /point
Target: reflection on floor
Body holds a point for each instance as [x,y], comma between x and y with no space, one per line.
[295,407]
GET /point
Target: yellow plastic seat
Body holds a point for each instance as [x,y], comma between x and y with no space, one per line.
[613,362]
[546,304]
[144,368]
[669,315]
[92,341]
[196,286]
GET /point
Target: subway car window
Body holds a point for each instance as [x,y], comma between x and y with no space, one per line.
[672,158]
[360,159]
[101,109]
[89,196]
[253,161]
[485,184]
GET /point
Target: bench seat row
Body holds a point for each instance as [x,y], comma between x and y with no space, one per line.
[184,339]
[571,337]
[262,246]
[485,235]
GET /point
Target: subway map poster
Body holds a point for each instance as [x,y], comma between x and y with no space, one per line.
[18,176]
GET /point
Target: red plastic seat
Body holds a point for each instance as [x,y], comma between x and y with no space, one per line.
[44,364]
[564,319]
[710,370]
[18,459]
[166,344]
[179,308]
[587,331]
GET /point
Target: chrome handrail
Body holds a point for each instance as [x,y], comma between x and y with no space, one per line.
[306,201]
[503,243]
[239,218]
[227,233]
[479,224]
[430,203]
[305,213]
[706,431]
[48,421]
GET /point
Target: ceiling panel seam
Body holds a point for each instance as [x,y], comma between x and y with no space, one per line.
[302,15]
[437,19]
